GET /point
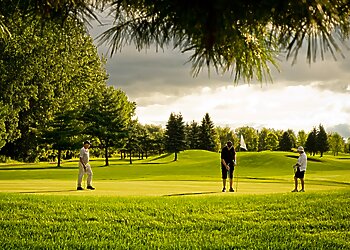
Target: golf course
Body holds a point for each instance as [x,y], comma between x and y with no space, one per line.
[158,203]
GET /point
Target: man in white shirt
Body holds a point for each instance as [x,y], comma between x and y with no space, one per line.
[299,169]
[84,167]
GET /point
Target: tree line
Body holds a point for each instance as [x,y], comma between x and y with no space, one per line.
[208,137]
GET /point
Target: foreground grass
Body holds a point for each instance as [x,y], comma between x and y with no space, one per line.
[280,221]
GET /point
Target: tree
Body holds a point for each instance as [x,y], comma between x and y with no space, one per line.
[156,136]
[310,145]
[239,36]
[286,142]
[108,117]
[63,132]
[321,140]
[271,141]
[193,135]
[175,134]
[43,69]
[225,134]
[262,139]
[207,134]
[336,143]
[301,138]
[250,136]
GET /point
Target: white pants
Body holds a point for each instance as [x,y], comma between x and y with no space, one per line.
[82,171]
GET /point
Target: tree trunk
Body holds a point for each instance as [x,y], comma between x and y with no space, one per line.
[59,158]
[175,159]
[106,156]
[130,157]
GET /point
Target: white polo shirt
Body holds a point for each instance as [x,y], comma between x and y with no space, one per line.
[84,155]
[302,161]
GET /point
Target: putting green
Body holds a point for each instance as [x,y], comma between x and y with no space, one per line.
[154,188]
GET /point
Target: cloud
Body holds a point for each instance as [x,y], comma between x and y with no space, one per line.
[342,129]
[300,97]
[292,107]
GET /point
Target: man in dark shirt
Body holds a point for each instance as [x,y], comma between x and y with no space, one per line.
[228,162]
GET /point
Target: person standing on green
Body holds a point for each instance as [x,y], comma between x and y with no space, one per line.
[300,169]
[228,162]
[85,167]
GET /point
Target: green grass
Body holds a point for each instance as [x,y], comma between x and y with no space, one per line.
[279,221]
[161,204]
[196,171]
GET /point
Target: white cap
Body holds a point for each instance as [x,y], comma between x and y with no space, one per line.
[300,149]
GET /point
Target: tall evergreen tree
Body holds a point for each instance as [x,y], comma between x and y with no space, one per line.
[310,145]
[286,142]
[322,140]
[175,135]
[193,135]
[207,134]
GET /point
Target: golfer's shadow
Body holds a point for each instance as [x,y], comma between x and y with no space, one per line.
[47,191]
[196,193]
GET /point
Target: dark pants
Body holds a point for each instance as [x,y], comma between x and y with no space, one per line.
[224,172]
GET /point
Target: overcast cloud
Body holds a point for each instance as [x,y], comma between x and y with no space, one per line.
[301,96]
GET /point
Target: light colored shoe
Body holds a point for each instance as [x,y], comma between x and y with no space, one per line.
[295,190]
[302,190]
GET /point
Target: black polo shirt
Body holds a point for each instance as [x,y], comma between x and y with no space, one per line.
[228,155]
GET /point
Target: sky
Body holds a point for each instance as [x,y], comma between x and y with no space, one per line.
[301,96]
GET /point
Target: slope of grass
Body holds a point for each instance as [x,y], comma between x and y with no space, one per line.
[280,221]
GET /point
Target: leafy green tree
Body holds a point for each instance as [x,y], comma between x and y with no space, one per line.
[44,69]
[272,141]
[262,139]
[310,145]
[301,138]
[175,134]
[108,116]
[286,142]
[226,134]
[336,143]
[322,140]
[250,136]
[156,136]
[207,134]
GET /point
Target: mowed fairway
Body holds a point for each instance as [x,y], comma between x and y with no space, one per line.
[196,172]
[161,204]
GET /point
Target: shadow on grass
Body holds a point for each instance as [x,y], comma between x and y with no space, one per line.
[196,193]
[160,157]
[48,191]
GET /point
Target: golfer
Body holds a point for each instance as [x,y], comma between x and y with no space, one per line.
[228,161]
[300,169]
[84,167]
